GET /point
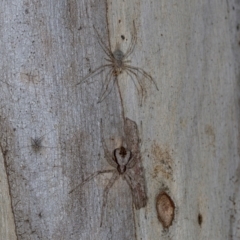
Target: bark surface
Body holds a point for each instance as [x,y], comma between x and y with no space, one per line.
[50,127]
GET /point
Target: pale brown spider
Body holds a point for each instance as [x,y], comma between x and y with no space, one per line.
[118,64]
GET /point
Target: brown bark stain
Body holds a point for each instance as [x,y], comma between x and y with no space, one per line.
[211,134]
[165,209]
[29,77]
[72,15]
[163,161]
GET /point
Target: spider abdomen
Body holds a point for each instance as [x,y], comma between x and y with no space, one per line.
[121,169]
[118,55]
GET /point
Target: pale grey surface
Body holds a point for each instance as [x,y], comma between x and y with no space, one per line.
[188,129]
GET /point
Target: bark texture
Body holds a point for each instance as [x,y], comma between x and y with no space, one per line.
[50,127]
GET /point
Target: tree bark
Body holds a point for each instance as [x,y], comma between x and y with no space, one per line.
[185,136]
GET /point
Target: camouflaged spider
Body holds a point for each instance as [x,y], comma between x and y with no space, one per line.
[118,64]
[36,143]
[122,160]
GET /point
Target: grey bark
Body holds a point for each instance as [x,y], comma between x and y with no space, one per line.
[189,129]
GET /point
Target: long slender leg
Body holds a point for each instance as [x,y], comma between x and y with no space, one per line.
[144,73]
[93,72]
[36,147]
[139,82]
[129,181]
[105,48]
[133,42]
[113,179]
[106,81]
[91,177]
[108,90]
[110,55]
[131,163]
[38,141]
[109,60]
[105,85]
[138,193]
[47,133]
[133,191]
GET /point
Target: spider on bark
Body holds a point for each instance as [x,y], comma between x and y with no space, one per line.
[123,160]
[118,64]
[36,143]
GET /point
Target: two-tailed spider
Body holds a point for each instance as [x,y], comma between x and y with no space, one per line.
[122,160]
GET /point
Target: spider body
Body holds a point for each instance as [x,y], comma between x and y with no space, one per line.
[36,143]
[123,161]
[118,64]
[117,61]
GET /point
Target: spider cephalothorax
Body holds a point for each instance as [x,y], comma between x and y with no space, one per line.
[118,59]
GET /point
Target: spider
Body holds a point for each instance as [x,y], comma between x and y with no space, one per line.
[36,143]
[117,64]
[122,159]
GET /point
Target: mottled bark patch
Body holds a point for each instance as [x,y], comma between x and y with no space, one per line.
[163,161]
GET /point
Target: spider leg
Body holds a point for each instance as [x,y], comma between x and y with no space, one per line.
[47,133]
[36,146]
[144,73]
[106,81]
[138,194]
[135,197]
[131,163]
[105,48]
[93,72]
[129,181]
[91,177]
[133,42]
[108,89]
[139,82]
[109,60]
[38,141]
[113,179]
[107,154]
[105,85]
